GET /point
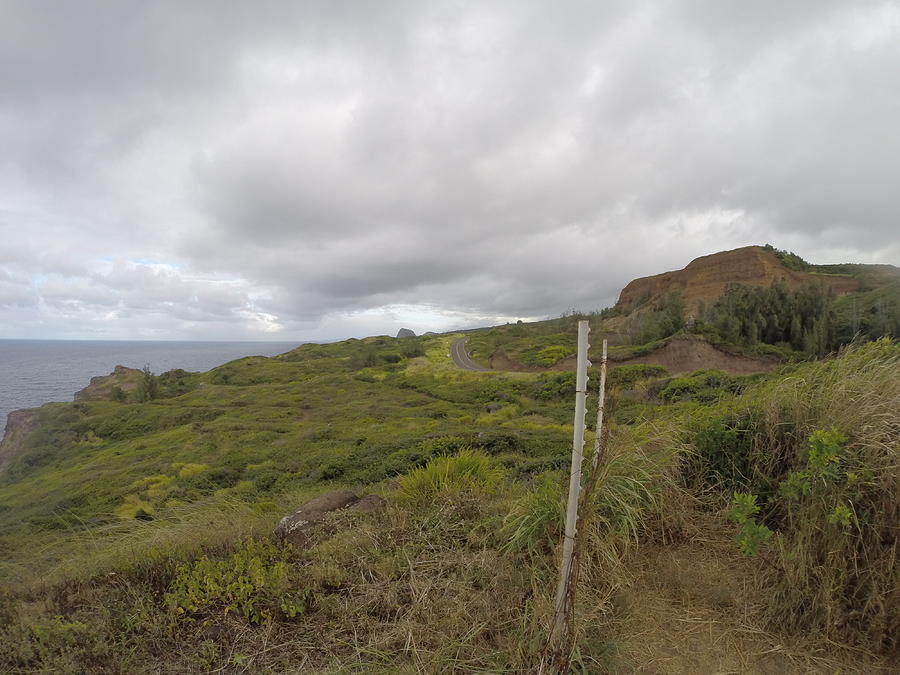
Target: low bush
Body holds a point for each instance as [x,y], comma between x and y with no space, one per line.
[550,355]
[255,582]
[701,385]
[626,376]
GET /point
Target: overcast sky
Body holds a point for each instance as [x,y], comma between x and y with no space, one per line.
[307,170]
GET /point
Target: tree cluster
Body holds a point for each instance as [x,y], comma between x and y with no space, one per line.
[665,318]
[748,315]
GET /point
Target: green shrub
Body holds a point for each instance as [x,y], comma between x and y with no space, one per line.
[443,476]
[723,439]
[626,376]
[148,386]
[750,535]
[558,386]
[550,355]
[701,385]
[255,583]
[411,347]
[365,357]
[666,318]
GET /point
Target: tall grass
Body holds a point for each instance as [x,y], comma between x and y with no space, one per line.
[838,549]
[637,474]
[468,470]
[820,446]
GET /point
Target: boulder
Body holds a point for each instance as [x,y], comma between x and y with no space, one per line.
[493,407]
[369,504]
[405,332]
[296,527]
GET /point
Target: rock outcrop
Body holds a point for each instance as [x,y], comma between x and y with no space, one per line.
[705,279]
[405,332]
[297,528]
[19,424]
[101,387]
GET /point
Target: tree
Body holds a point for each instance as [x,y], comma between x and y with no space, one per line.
[148,387]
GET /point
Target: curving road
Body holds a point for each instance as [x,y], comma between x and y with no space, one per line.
[461,357]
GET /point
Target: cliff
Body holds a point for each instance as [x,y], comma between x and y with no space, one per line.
[706,278]
[19,424]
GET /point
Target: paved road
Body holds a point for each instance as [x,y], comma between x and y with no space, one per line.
[461,357]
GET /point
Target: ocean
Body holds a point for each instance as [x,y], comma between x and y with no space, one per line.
[34,372]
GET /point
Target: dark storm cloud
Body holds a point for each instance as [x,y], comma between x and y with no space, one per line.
[259,166]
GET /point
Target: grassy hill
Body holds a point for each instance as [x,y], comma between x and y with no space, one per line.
[135,532]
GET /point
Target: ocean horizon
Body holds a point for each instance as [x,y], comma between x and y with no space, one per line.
[34,372]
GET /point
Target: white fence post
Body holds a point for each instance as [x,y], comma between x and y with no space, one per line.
[565,567]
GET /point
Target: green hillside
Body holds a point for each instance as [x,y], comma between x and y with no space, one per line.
[135,533]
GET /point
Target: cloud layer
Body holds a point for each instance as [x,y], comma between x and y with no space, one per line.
[315,170]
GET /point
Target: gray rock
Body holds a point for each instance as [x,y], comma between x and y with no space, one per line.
[405,332]
[296,528]
[493,407]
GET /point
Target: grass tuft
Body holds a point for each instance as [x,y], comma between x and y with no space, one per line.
[466,471]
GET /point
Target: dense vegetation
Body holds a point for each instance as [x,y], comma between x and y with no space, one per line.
[801,320]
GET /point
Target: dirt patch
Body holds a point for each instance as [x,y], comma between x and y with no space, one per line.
[686,353]
[19,424]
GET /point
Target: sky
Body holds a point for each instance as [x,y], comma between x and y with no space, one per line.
[307,170]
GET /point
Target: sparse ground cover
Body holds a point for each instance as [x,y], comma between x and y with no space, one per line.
[135,535]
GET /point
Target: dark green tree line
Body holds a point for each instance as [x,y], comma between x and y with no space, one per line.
[748,315]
